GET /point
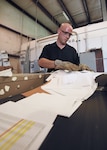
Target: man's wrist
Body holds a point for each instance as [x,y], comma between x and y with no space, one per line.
[58,64]
[55,64]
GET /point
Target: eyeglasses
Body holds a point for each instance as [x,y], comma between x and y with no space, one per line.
[66,33]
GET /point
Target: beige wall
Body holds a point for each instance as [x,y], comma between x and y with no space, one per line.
[10,41]
[12,18]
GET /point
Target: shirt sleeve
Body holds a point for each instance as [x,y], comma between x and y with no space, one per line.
[44,53]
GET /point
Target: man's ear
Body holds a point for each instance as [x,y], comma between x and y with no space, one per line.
[58,31]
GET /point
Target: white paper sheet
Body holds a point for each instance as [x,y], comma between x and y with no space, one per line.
[79,85]
[19,133]
[13,108]
[56,104]
[6,73]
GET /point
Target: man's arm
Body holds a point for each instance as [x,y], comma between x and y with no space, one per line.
[46,63]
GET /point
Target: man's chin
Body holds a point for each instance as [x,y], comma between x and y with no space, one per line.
[64,42]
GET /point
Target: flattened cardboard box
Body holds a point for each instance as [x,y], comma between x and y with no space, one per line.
[19,83]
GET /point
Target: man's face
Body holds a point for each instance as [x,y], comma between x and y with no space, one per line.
[64,34]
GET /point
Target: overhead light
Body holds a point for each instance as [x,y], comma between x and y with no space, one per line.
[61,15]
[65,15]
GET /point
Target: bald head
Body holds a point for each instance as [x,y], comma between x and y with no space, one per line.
[66,27]
[64,33]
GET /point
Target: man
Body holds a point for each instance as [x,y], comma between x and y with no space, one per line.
[59,55]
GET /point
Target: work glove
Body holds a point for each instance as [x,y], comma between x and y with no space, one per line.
[66,65]
[84,67]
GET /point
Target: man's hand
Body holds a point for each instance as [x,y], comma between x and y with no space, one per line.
[65,65]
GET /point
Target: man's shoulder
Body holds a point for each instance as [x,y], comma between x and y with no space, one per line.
[50,46]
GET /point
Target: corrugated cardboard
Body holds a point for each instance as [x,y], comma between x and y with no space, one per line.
[19,83]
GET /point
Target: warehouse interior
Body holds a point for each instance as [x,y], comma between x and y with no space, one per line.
[51,14]
[58,110]
[32,20]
